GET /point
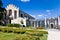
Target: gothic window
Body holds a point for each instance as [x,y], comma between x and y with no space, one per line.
[10,12]
[15,14]
[21,15]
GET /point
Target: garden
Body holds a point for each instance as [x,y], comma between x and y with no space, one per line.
[25,33]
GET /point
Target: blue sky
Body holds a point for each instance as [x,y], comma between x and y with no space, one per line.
[37,8]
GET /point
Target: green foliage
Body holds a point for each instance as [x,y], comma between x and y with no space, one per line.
[18,30]
[34,33]
[1,3]
[13,25]
[26,37]
[44,32]
[40,27]
[23,34]
[11,29]
[10,25]
[1,16]
[16,25]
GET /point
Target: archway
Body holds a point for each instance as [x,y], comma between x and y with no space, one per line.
[52,25]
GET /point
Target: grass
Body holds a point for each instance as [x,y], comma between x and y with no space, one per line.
[9,36]
[12,36]
[44,37]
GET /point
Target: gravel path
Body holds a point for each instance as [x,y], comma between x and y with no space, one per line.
[53,34]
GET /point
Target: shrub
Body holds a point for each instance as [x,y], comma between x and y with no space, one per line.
[0,29]
[17,38]
[16,25]
[27,37]
[10,25]
[6,29]
[19,31]
[3,29]
[9,29]
[13,25]
[44,32]
[34,33]
[22,31]
[40,27]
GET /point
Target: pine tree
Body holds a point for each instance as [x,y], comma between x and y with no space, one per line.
[1,9]
[1,4]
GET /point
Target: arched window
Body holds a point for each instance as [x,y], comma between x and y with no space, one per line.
[21,15]
[15,14]
[10,12]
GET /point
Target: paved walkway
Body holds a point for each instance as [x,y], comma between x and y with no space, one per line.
[53,34]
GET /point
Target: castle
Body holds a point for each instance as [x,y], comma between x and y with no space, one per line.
[16,16]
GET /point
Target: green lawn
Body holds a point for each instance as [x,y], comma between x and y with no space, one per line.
[25,34]
[11,36]
[44,37]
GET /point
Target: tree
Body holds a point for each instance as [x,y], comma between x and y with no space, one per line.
[1,12]
[1,9]
[1,4]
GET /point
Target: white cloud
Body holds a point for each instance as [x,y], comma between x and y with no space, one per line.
[48,10]
[33,15]
[40,15]
[25,0]
[49,13]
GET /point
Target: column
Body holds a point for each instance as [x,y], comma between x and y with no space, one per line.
[31,23]
[45,23]
[7,16]
[49,26]
[34,24]
[59,21]
[37,23]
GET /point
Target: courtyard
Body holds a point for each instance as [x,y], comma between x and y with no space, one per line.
[53,34]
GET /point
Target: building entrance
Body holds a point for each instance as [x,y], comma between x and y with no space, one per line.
[51,25]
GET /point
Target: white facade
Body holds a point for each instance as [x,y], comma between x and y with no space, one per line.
[59,20]
[52,22]
[18,19]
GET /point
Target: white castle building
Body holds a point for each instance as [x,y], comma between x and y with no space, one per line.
[17,16]
[52,22]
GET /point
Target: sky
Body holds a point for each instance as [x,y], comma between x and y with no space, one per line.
[37,8]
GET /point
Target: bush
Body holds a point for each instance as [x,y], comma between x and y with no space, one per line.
[13,25]
[40,27]
[44,32]
[10,25]
[26,37]
[19,31]
[34,33]
[9,29]
[16,25]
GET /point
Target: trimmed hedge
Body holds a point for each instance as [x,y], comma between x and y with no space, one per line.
[11,29]
[37,31]
[18,30]
[40,28]
[13,25]
[33,32]
[27,37]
